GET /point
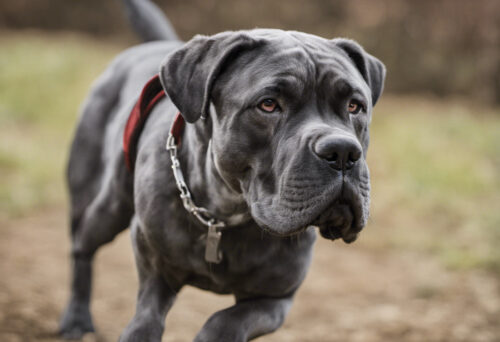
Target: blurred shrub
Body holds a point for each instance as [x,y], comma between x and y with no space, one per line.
[447,47]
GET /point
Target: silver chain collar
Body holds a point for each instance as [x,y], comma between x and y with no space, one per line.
[213,253]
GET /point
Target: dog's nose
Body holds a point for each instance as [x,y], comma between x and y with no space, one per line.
[340,152]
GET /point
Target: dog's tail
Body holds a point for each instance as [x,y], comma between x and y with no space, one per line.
[148,21]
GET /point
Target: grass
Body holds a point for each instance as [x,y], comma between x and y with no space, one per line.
[435,164]
[436,180]
[42,83]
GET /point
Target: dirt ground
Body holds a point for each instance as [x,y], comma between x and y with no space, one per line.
[352,293]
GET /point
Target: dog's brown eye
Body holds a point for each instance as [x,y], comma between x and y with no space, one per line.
[269,105]
[354,107]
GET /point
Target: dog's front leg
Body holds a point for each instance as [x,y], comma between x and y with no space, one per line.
[154,300]
[245,320]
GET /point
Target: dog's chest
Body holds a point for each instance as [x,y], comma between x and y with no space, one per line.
[252,264]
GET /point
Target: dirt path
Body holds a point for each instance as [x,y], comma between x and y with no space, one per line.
[351,293]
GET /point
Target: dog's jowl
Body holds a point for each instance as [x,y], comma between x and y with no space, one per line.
[269,146]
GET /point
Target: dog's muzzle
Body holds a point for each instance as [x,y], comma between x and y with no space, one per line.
[341,219]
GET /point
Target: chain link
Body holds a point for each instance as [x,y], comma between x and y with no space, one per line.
[202,214]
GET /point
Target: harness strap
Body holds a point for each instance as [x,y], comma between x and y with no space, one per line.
[177,128]
[151,94]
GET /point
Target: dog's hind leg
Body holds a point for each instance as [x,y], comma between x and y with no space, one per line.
[99,208]
[105,217]
[245,320]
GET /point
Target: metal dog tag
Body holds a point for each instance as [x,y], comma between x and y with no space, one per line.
[212,251]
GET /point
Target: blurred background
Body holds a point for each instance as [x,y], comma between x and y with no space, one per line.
[427,267]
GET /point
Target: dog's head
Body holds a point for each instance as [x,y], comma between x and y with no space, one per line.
[289,114]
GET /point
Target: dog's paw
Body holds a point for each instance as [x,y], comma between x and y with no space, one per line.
[141,330]
[219,336]
[76,322]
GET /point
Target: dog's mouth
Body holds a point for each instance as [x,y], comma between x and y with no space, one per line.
[339,221]
[339,212]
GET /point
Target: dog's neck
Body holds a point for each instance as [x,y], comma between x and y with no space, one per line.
[207,186]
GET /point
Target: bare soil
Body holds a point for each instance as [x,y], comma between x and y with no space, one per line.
[352,293]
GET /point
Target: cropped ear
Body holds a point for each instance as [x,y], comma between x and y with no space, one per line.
[188,74]
[372,70]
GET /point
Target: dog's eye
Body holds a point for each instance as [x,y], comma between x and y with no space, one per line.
[354,107]
[269,106]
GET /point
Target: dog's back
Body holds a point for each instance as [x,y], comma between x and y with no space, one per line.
[112,94]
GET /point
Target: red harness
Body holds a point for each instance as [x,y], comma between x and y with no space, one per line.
[151,94]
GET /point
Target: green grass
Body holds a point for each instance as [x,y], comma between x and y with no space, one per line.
[435,164]
[42,82]
[436,180]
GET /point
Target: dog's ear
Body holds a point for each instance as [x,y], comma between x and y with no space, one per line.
[372,70]
[188,74]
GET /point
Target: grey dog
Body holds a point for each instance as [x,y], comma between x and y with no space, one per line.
[275,147]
